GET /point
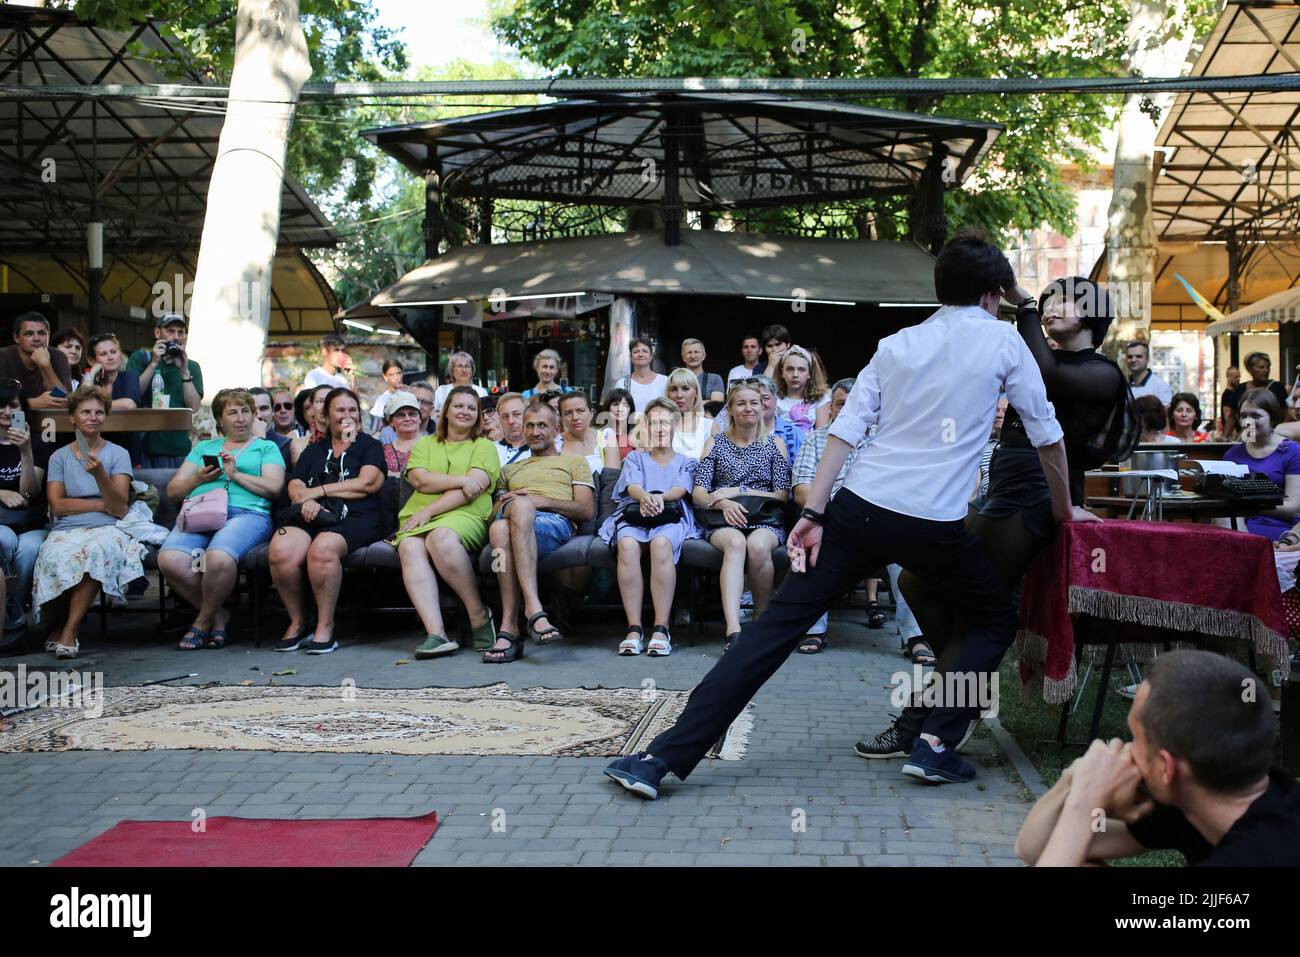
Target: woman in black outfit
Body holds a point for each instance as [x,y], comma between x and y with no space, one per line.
[1014,518]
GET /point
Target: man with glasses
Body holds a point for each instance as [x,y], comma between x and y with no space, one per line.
[36,367]
[282,416]
[264,422]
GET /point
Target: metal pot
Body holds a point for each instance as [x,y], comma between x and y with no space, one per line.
[1146,460]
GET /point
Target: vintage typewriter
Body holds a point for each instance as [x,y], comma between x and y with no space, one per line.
[1251,489]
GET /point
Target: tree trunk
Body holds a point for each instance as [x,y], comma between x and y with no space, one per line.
[1159,40]
[230,308]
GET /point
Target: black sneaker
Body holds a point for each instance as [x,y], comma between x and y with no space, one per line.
[638,775]
[321,647]
[294,643]
[888,744]
[937,767]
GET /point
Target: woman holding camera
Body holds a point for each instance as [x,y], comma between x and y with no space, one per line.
[336,509]
[203,566]
[652,513]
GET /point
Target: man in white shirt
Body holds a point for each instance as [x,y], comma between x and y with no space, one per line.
[931,391]
[335,365]
[750,350]
[510,413]
[1137,356]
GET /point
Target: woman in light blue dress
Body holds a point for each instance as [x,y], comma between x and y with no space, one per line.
[652,480]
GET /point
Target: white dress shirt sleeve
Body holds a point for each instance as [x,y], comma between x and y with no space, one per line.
[1027,394]
[862,409]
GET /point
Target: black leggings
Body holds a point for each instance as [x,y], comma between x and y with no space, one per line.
[1011,545]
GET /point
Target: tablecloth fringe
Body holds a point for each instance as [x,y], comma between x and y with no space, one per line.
[1032,648]
[1218,622]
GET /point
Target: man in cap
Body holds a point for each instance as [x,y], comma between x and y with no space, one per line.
[181,382]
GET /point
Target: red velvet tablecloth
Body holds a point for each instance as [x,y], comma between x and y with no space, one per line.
[1177,577]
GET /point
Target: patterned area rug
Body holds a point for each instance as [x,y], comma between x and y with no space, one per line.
[491,720]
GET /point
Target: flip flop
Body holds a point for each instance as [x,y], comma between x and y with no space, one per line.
[812,644]
[216,639]
[926,657]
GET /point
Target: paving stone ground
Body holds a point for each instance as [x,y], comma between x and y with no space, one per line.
[799,797]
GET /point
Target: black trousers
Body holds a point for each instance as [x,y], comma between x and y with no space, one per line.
[857,537]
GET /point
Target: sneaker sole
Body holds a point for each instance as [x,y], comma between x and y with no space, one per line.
[891,754]
[931,776]
[322,651]
[639,788]
[438,652]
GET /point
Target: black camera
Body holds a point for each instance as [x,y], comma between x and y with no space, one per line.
[173,351]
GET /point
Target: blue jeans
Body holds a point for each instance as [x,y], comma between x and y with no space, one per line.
[244,530]
[552,530]
[18,556]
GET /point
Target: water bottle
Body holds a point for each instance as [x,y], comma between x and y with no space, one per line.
[156,388]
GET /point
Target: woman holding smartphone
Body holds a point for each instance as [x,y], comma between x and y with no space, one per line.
[203,566]
[88,490]
[23,461]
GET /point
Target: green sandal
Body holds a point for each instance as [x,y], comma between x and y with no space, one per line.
[485,636]
[436,645]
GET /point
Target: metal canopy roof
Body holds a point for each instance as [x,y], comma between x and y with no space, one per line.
[148,165]
[732,150]
[1236,161]
[707,262]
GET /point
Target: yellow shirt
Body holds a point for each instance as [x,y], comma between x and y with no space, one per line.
[452,458]
[552,476]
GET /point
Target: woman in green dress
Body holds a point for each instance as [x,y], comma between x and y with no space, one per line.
[443,525]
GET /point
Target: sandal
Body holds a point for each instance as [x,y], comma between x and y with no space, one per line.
[484,635]
[632,646]
[728,641]
[812,644]
[919,656]
[875,617]
[505,655]
[660,647]
[193,639]
[547,636]
[217,639]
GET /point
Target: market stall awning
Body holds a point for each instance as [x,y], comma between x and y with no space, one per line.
[728,150]
[1280,307]
[1231,162]
[706,263]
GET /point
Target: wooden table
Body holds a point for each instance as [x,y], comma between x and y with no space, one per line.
[123,420]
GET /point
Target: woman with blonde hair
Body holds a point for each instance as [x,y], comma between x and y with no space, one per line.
[547,366]
[744,462]
[804,398]
[694,428]
[460,369]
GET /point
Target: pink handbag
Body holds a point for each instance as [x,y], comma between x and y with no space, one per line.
[204,513]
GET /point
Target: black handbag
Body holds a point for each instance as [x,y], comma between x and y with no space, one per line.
[325,518]
[631,515]
[759,511]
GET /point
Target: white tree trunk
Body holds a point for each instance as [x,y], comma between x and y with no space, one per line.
[1159,40]
[230,308]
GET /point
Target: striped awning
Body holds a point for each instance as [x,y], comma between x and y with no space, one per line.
[1280,307]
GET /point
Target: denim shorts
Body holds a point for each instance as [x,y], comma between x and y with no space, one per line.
[245,529]
[552,531]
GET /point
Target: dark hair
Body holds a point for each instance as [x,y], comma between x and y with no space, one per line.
[1263,399]
[390,364]
[29,317]
[1139,342]
[67,334]
[1191,400]
[539,402]
[1091,303]
[641,342]
[1152,413]
[300,407]
[259,390]
[1215,714]
[575,394]
[333,341]
[477,428]
[11,389]
[546,397]
[969,267]
[618,395]
[750,335]
[336,392]
[775,331]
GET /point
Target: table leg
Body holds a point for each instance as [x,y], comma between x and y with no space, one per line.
[1102,690]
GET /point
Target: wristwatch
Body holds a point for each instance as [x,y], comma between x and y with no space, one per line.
[813,516]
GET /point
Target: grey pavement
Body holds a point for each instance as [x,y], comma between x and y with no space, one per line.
[799,797]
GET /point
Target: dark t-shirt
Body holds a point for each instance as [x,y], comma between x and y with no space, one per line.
[1233,397]
[11,462]
[33,383]
[366,450]
[1267,835]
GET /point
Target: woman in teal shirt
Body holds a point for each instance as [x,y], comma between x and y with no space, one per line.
[203,566]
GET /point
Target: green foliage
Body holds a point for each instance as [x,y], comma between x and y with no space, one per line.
[1020,186]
